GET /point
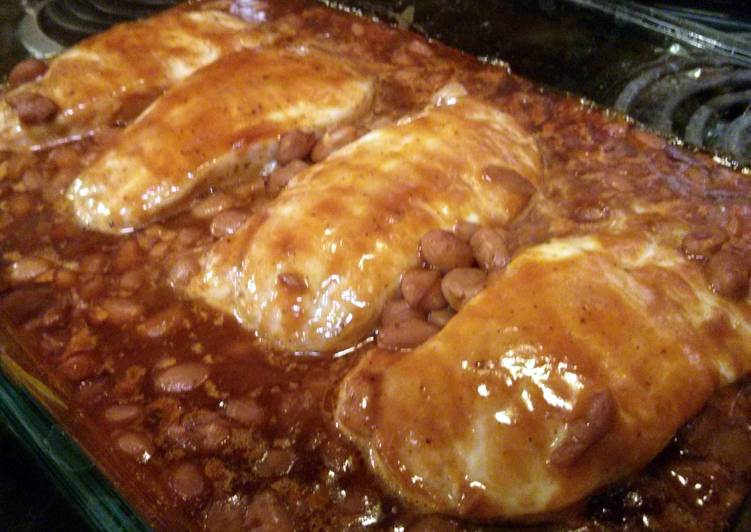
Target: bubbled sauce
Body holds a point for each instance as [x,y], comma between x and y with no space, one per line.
[201,428]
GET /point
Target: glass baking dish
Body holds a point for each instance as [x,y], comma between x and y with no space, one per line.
[36,415]
[30,409]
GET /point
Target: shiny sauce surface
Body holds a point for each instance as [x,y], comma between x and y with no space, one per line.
[201,428]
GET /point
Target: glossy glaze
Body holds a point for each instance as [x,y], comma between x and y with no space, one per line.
[220,124]
[124,69]
[467,423]
[347,227]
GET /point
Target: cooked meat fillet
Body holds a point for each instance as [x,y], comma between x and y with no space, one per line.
[344,230]
[571,370]
[221,123]
[117,73]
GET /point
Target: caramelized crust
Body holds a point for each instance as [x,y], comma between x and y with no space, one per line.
[222,123]
[570,371]
[116,74]
[348,226]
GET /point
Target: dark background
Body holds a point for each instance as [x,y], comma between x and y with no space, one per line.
[29,502]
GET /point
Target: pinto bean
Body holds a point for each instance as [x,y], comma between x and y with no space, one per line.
[445,251]
[357,409]
[82,339]
[187,236]
[226,515]
[586,430]
[293,281]
[490,248]
[121,414]
[245,411]
[200,430]
[54,316]
[280,177]
[164,322]
[24,303]
[293,145]
[441,317]
[136,445]
[20,204]
[266,513]
[32,108]
[212,434]
[357,501]
[132,280]
[339,459]
[27,269]
[128,256]
[186,480]
[160,249]
[433,299]
[34,179]
[462,284]
[703,243]
[728,274]
[510,180]
[433,523]
[227,223]
[65,157]
[276,463]
[121,311]
[164,363]
[333,140]
[183,269]
[405,334]
[94,391]
[94,263]
[93,288]
[212,205]
[397,311]
[25,71]
[416,283]
[78,367]
[182,378]
[65,278]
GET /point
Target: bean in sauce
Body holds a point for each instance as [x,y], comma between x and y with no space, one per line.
[445,251]
[26,71]
[32,108]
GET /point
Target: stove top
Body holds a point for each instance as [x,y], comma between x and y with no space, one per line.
[703,99]
[51,25]
[682,68]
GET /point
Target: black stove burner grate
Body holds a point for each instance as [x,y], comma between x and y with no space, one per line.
[702,99]
[68,21]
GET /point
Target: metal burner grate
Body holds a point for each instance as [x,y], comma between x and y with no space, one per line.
[705,100]
[51,25]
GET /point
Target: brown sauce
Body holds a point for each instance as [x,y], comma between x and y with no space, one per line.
[200,428]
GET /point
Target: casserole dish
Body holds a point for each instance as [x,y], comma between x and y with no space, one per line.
[17,368]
